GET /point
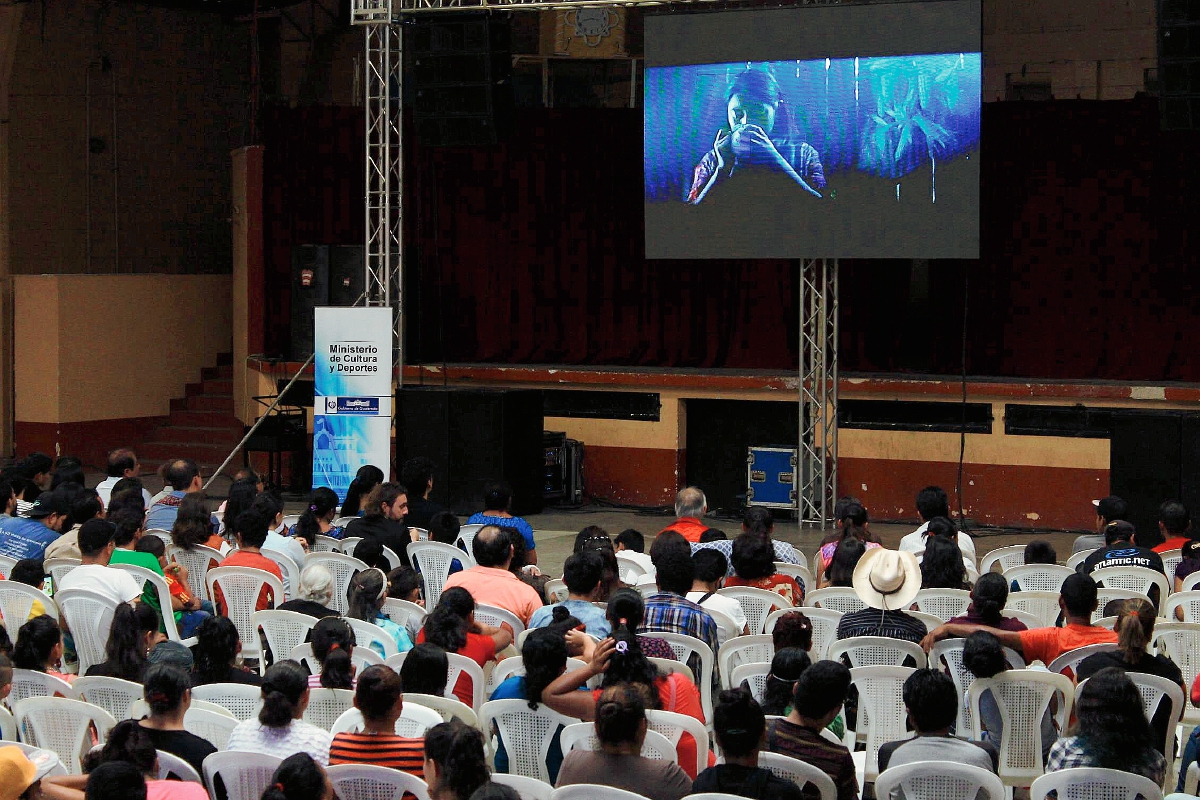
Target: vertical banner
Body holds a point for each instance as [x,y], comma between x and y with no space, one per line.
[352,409]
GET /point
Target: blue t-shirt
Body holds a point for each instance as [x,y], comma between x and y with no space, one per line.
[162,516]
[506,522]
[593,618]
[22,538]
[514,689]
[398,633]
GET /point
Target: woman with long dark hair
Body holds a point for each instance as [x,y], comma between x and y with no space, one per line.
[130,743]
[168,692]
[317,519]
[133,635]
[544,654]
[851,525]
[455,765]
[39,647]
[366,479]
[366,594]
[241,497]
[626,607]
[452,626]
[333,645]
[942,565]
[279,729]
[754,565]
[840,571]
[194,526]
[216,652]
[787,666]
[299,777]
[425,670]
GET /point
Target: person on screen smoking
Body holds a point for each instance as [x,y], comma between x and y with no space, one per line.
[749,142]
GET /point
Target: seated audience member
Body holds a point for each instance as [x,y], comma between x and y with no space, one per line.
[216,652]
[633,545]
[405,583]
[168,693]
[1077,599]
[6,676]
[121,463]
[942,562]
[130,744]
[241,497]
[444,527]
[67,469]
[626,607]
[193,526]
[1122,550]
[85,504]
[1189,564]
[592,537]
[491,582]
[620,715]
[690,506]
[669,610]
[932,705]
[848,512]
[932,502]
[452,626]
[127,532]
[379,698]
[333,647]
[581,573]
[497,500]
[39,648]
[31,572]
[886,581]
[455,763]
[115,780]
[317,519]
[299,777]
[757,521]
[365,596]
[184,478]
[417,475]
[1038,551]
[1174,525]
[713,535]
[793,629]
[365,481]
[528,573]
[370,552]
[25,777]
[818,700]
[988,597]
[272,508]
[754,565]
[1135,630]
[787,665]
[544,654]
[425,671]
[1111,732]
[1110,509]
[710,568]
[383,518]
[983,656]
[251,529]
[133,635]
[741,731]
[8,496]
[279,729]
[96,546]
[840,570]
[28,537]
[188,609]
[600,545]
[314,594]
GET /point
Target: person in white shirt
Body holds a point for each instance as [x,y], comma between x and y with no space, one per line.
[933,502]
[122,463]
[276,541]
[710,575]
[96,547]
[632,544]
[279,729]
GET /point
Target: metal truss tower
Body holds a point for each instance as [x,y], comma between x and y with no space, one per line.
[818,381]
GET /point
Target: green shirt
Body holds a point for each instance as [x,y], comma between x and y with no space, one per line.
[139,559]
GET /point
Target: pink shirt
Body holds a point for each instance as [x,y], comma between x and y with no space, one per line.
[174,790]
[498,587]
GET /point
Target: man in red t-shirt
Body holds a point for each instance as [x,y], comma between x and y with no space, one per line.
[1174,522]
[690,506]
[251,527]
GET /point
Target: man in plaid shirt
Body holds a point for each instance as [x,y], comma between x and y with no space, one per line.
[669,611]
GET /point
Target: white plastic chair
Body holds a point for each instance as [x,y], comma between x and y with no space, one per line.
[515,665]
[288,566]
[1171,559]
[89,615]
[214,726]
[114,695]
[1094,783]
[8,726]
[1075,559]
[556,590]
[361,658]
[945,604]
[948,653]
[754,674]
[1155,691]
[527,788]
[673,726]
[448,707]
[743,650]
[647,586]
[16,603]
[1133,579]
[161,534]
[880,691]
[1181,643]
[1190,582]
[372,782]
[940,780]
[1030,621]
[582,736]
[1105,595]
[494,617]
[325,706]
[466,538]
[876,651]
[197,562]
[63,725]
[324,544]
[824,623]
[346,546]
[28,683]
[629,568]
[240,587]
[163,592]
[1187,600]
[1022,697]
[368,633]
[342,522]
[1070,659]
[799,572]
[6,566]
[1038,577]
[668,666]
[799,773]
[593,791]
[283,630]
[1007,557]
[527,733]
[756,603]
[1043,605]
[57,568]
[688,650]
[402,612]
[245,775]
[931,622]
[342,567]
[414,720]
[434,560]
[240,699]
[170,764]
[838,598]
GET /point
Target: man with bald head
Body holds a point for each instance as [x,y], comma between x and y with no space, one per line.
[690,506]
[490,582]
[183,476]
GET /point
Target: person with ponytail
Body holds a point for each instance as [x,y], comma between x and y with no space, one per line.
[299,777]
[365,595]
[241,497]
[216,652]
[367,478]
[452,626]
[988,597]
[129,743]
[620,715]
[544,654]
[787,665]
[425,671]
[317,519]
[133,635]
[333,646]
[379,698]
[39,647]
[741,727]
[279,730]
[455,765]
[626,607]
[167,691]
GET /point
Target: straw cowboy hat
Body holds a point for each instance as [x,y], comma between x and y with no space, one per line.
[887,579]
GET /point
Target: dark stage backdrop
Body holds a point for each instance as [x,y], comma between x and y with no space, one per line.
[532,252]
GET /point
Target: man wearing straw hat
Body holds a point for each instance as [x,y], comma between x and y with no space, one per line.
[888,582]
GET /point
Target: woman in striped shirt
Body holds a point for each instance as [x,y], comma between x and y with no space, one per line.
[379,699]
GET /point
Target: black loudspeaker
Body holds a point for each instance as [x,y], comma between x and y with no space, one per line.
[474,437]
[1147,463]
[461,78]
[346,263]
[310,288]
[1179,64]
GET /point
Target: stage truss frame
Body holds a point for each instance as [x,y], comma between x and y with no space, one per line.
[817,378]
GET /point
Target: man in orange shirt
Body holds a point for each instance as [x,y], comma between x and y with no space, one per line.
[490,582]
[690,506]
[1174,522]
[1077,599]
[251,527]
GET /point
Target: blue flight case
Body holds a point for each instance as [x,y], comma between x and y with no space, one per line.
[771,479]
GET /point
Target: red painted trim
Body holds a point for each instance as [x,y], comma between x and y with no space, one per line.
[255,246]
[89,441]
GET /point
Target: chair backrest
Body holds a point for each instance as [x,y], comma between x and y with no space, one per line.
[1171,559]
[8,726]
[1181,643]
[1070,659]
[945,604]
[948,654]
[754,674]
[64,726]
[1094,783]
[629,568]
[1132,579]
[288,566]
[89,615]
[57,568]
[798,571]
[342,567]
[668,666]
[240,699]
[402,612]
[6,566]
[197,562]
[799,773]
[689,650]
[361,658]
[1043,605]
[582,736]
[494,616]
[324,544]
[161,591]
[372,782]
[1029,620]
[647,585]
[466,537]
[211,725]
[1022,697]
[1007,557]
[743,650]
[593,791]
[240,587]
[1187,601]
[527,734]
[28,683]
[447,707]
[114,695]
[1105,595]
[1075,559]
[245,775]
[556,590]
[326,705]
[345,546]
[368,633]
[170,764]
[824,624]
[159,533]
[526,788]
[434,560]
[931,622]
[1038,577]
[756,603]
[876,651]
[940,780]
[16,603]
[838,598]
[283,630]
[673,726]
[880,691]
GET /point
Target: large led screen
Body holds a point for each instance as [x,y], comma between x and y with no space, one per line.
[814,132]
